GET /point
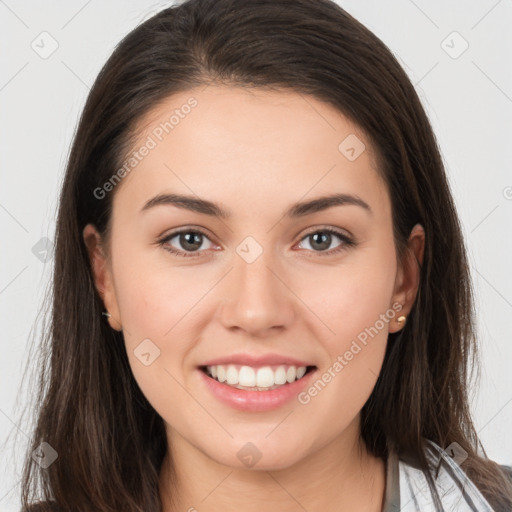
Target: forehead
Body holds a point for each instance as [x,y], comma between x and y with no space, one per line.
[249,147]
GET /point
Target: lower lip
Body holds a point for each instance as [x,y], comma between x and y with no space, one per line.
[255,401]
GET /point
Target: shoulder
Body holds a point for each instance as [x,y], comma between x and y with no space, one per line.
[447,482]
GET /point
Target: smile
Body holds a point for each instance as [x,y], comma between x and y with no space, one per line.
[265,378]
[266,387]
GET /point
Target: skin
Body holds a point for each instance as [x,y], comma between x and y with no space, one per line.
[256,153]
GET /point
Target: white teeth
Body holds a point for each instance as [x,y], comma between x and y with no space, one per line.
[246,377]
[263,378]
[221,373]
[291,373]
[232,375]
[280,375]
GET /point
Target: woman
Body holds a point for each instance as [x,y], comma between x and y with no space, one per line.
[261,295]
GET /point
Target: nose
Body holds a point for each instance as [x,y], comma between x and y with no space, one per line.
[257,297]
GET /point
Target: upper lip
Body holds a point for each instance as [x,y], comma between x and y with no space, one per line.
[254,360]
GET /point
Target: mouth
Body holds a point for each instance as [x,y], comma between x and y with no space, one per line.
[263,378]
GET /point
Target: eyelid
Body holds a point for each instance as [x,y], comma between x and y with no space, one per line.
[328,227]
[187,228]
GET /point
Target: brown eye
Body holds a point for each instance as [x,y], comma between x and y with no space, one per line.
[188,242]
[322,239]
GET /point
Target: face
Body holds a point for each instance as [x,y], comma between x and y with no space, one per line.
[263,291]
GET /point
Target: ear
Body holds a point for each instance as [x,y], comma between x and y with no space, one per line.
[408,275]
[102,274]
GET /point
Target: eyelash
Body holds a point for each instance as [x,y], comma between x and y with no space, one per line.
[347,242]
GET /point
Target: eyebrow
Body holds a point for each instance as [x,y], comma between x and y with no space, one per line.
[300,209]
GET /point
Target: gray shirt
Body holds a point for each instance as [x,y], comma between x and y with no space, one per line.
[407,488]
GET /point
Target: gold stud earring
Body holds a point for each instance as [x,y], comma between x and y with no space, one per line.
[401,319]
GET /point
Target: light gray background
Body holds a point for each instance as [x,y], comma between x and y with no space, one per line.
[468,99]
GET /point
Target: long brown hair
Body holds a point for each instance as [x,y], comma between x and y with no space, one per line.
[109,440]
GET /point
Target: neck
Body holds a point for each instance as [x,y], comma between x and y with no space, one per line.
[340,477]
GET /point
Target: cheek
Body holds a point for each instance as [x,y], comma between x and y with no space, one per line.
[154,299]
[355,304]
[156,307]
[352,296]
